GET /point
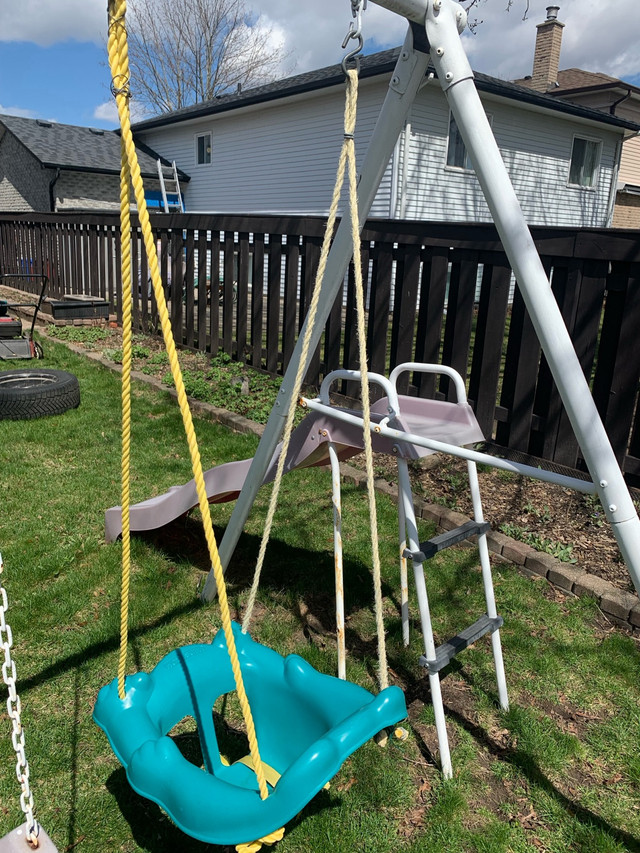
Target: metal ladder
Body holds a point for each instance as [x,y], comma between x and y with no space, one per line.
[436,658]
[170,189]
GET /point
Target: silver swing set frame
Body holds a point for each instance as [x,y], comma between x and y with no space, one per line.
[434,36]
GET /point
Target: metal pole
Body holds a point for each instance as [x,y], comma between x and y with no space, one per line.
[405,81]
[456,78]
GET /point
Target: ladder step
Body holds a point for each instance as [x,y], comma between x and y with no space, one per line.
[431,547]
[447,651]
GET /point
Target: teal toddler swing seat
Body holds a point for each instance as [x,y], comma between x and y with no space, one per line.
[307,725]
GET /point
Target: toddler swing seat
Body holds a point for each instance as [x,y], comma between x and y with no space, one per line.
[307,725]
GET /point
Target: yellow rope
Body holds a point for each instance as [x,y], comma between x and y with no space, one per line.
[119,64]
[349,127]
[347,158]
[383,674]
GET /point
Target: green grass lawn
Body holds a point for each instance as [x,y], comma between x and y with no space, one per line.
[559,771]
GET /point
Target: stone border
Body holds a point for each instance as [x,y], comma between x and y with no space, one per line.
[620,607]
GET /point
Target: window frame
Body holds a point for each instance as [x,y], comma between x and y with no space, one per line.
[467,168]
[197,138]
[596,172]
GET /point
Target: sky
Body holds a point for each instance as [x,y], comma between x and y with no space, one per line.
[53,54]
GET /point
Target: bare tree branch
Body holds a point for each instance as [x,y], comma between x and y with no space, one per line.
[475,22]
[183,52]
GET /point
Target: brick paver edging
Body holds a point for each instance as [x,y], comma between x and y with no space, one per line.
[620,607]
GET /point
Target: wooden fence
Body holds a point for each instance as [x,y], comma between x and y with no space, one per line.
[435,292]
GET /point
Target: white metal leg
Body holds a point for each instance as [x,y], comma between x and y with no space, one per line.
[487,581]
[404,576]
[337,552]
[404,493]
[443,18]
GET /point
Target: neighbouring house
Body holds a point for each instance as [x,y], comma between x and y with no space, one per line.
[273,150]
[49,167]
[596,91]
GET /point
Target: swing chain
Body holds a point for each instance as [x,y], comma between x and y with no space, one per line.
[14,710]
[355,32]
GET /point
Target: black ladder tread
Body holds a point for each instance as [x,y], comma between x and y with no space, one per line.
[448,650]
[444,540]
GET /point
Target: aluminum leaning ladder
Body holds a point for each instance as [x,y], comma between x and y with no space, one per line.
[170,189]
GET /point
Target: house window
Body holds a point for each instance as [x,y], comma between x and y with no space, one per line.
[203,149]
[457,157]
[585,160]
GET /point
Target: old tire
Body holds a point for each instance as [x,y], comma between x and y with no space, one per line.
[27,394]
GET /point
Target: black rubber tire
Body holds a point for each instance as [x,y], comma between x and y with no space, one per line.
[38,393]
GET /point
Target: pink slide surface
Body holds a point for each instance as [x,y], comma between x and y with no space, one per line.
[454,423]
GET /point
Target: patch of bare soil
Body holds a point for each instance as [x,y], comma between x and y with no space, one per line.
[566,524]
[569,525]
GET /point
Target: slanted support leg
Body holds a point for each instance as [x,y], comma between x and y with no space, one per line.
[405,497]
[337,553]
[404,576]
[487,581]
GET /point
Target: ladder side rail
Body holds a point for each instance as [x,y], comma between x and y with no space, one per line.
[163,189]
[177,186]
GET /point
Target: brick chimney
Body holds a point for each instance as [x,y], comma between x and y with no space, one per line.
[546,59]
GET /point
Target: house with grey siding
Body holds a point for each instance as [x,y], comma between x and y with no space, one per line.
[273,150]
[598,91]
[46,167]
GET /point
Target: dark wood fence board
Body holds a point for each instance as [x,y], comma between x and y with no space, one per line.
[242,295]
[214,313]
[412,265]
[206,294]
[488,344]
[289,314]
[433,288]
[520,375]
[404,309]
[273,302]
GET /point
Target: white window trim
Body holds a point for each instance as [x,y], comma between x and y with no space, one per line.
[461,170]
[596,178]
[196,137]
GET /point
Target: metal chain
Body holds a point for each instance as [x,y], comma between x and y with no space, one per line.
[14,710]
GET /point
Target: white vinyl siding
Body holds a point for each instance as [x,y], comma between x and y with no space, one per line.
[281,158]
[536,149]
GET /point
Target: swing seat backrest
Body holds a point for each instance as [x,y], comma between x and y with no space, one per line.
[307,724]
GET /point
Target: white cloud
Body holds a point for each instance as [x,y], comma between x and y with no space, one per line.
[108,112]
[596,37]
[17,111]
[45,23]
[599,36]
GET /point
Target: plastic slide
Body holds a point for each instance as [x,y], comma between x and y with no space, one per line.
[308,448]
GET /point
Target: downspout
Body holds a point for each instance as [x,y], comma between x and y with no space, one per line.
[614,184]
[52,198]
[612,108]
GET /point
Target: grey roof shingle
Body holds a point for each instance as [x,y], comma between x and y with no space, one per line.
[66,146]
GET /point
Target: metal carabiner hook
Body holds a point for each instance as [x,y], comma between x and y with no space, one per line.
[353,55]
